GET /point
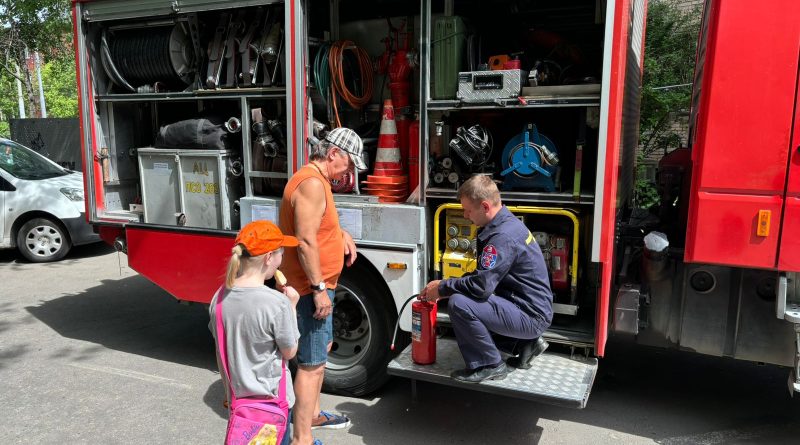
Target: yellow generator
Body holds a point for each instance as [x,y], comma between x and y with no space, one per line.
[459,255]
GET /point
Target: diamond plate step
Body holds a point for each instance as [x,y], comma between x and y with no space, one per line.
[554,378]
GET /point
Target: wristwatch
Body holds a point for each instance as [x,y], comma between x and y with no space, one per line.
[319,287]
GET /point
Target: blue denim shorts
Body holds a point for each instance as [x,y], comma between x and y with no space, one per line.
[312,349]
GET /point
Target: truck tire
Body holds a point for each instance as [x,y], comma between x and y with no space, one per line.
[363,318]
[41,240]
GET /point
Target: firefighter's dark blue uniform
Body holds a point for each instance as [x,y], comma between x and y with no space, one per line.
[508,293]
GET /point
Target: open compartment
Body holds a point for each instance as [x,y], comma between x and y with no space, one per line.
[190,111]
[514,92]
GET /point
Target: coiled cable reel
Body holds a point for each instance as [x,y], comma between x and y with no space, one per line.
[149,55]
[473,145]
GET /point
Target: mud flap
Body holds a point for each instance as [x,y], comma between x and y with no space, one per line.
[556,379]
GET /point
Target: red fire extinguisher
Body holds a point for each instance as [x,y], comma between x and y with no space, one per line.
[423,331]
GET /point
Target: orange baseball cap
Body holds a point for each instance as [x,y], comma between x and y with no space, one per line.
[260,237]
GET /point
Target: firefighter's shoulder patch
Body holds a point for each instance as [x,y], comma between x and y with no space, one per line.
[489,256]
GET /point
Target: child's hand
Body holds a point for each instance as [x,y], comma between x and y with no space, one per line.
[292,294]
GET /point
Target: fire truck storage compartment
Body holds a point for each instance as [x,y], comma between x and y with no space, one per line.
[515,93]
[200,50]
[153,68]
[190,188]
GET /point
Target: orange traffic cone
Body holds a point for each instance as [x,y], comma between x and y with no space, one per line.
[387,160]
[389,183]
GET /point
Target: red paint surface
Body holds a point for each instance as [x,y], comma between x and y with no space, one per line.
[742,134]
[189,266]
[619,58]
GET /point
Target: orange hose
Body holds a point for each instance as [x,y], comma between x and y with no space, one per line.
[335,63]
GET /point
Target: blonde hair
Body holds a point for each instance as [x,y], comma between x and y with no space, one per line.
[480,188]
[241,261]
[238,263]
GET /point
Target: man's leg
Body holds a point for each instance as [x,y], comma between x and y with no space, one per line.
[307,381]
[311,358]
[475,320]
[474,339]
[324,419]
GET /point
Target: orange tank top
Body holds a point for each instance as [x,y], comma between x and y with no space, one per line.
[329,238]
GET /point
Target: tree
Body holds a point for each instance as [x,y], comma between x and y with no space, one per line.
[60,89]
[669,60]
[27,26]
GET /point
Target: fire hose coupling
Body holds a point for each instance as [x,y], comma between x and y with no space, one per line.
[549,157]
[265,139]
[236,168]
[439,128]
[233,125]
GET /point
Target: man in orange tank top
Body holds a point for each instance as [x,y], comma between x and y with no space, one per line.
[308,212]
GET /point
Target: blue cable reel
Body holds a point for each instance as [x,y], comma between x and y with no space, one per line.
[530,160]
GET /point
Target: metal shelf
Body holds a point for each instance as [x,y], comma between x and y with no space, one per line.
[524,197]
[274,175]
[233,93]
[516,103]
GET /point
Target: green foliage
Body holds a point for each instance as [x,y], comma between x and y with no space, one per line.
[26,27]
[60,89]
[670,45]
[35,24]
[646,193]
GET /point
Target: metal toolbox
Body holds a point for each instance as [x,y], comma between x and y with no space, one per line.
[187,188]
[486,86]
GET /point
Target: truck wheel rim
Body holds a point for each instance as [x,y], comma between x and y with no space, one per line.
[351,332]
[43,241]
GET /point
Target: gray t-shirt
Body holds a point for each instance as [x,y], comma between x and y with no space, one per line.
[257,320]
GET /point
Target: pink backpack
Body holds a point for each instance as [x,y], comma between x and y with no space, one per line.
[253,420]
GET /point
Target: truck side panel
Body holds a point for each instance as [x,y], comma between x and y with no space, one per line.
[742,134]
[620,109]
[188,265]
[789,253]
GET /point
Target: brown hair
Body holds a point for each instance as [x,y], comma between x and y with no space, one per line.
[480,188]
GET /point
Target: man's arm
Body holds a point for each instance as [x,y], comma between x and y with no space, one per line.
[309,206]
[497,259]
[350,254]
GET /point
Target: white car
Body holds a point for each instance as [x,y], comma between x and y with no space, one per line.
[42,210]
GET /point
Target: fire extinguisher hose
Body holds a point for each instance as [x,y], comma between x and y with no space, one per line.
[396,325]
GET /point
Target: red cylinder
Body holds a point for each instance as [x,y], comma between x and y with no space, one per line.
[400,92]
[402,138]
[413,155]
[423,332]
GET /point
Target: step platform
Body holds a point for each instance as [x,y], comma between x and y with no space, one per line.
[553,378]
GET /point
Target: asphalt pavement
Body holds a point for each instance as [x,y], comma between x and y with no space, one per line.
[91,352]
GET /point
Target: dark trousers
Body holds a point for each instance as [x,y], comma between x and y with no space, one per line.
[474,321]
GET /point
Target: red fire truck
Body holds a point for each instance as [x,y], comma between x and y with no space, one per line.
[195,112]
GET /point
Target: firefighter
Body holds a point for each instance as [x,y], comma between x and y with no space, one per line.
[508,294]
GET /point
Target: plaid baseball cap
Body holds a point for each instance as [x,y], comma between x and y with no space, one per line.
[260,237]
[349,141]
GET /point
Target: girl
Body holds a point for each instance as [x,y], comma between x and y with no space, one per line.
[260,323]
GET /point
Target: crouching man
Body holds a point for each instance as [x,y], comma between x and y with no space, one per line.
[508,294]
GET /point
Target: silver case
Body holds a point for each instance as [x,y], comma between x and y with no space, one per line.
[512,85]
[189,182]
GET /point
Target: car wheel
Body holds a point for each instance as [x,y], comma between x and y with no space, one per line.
[363,318]
[41,240]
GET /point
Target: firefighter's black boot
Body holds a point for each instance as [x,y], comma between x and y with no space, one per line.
[528,352]
[495,372]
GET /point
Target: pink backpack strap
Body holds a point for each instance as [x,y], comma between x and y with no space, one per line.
[223,357]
